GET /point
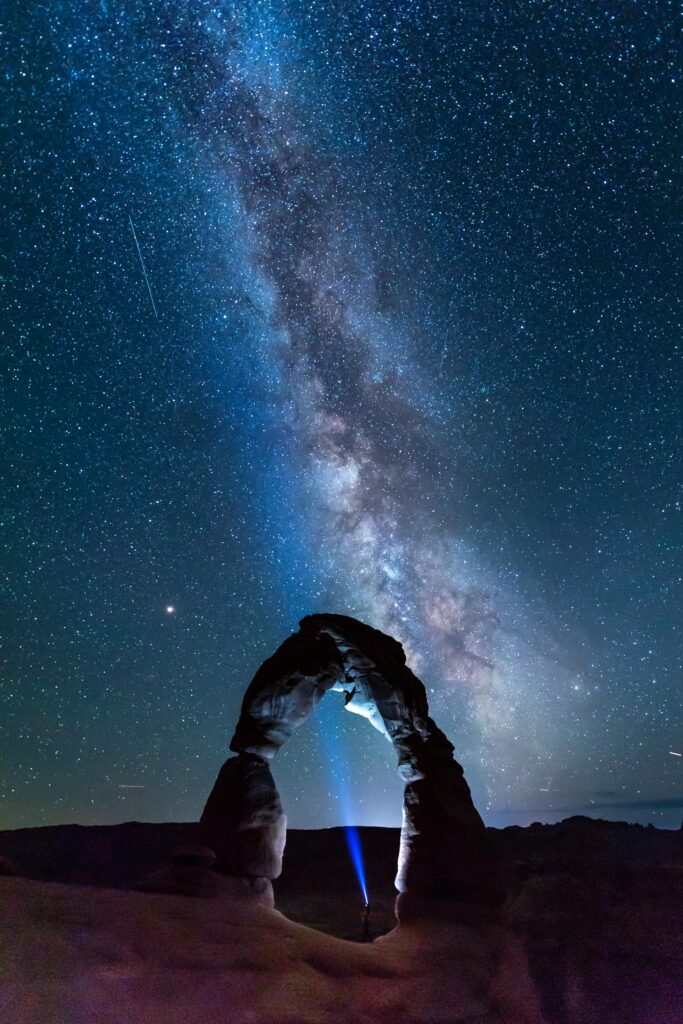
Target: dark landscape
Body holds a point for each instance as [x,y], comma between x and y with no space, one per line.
[339,356]
[595,907]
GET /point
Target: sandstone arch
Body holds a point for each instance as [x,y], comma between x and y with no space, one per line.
[443,853]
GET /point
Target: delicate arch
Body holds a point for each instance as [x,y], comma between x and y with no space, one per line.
[443,852]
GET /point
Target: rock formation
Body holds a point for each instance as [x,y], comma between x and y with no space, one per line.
[444,851]
[188,873]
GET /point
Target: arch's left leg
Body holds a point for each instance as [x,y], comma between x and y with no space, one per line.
[243,820]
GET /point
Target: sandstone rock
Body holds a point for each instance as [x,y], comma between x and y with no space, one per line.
[283,693]
[200,882]
[444,847]
[194,856]
[181,880]
[188,874]
[243,819]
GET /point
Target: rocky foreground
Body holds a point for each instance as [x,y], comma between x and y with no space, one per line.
[591,933]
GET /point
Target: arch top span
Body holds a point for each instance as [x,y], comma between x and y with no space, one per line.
[443,853]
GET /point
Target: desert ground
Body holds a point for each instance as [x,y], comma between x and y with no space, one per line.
[591,932]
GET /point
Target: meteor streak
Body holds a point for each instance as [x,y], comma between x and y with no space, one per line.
[142,264]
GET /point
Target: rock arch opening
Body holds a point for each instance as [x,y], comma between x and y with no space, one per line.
[443,850]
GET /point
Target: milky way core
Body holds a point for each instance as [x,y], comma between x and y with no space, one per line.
[360,307]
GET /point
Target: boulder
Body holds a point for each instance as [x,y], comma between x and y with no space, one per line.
[201,882]
[194,856]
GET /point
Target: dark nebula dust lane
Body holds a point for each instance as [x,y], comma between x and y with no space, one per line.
[393,337]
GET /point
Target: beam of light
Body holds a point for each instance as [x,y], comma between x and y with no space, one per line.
[142,264]
[353,843]
[336,760]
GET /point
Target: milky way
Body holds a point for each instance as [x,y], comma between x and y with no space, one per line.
[408,346]
[362,438]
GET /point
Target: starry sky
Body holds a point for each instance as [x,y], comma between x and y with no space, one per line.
[361,306]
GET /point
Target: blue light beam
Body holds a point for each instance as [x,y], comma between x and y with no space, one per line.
[334,756]
[353,843]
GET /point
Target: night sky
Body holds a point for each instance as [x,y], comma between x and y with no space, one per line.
[359,306]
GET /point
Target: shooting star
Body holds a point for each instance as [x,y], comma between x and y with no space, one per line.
[142,264]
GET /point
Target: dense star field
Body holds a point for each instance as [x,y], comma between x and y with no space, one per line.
[360,307]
